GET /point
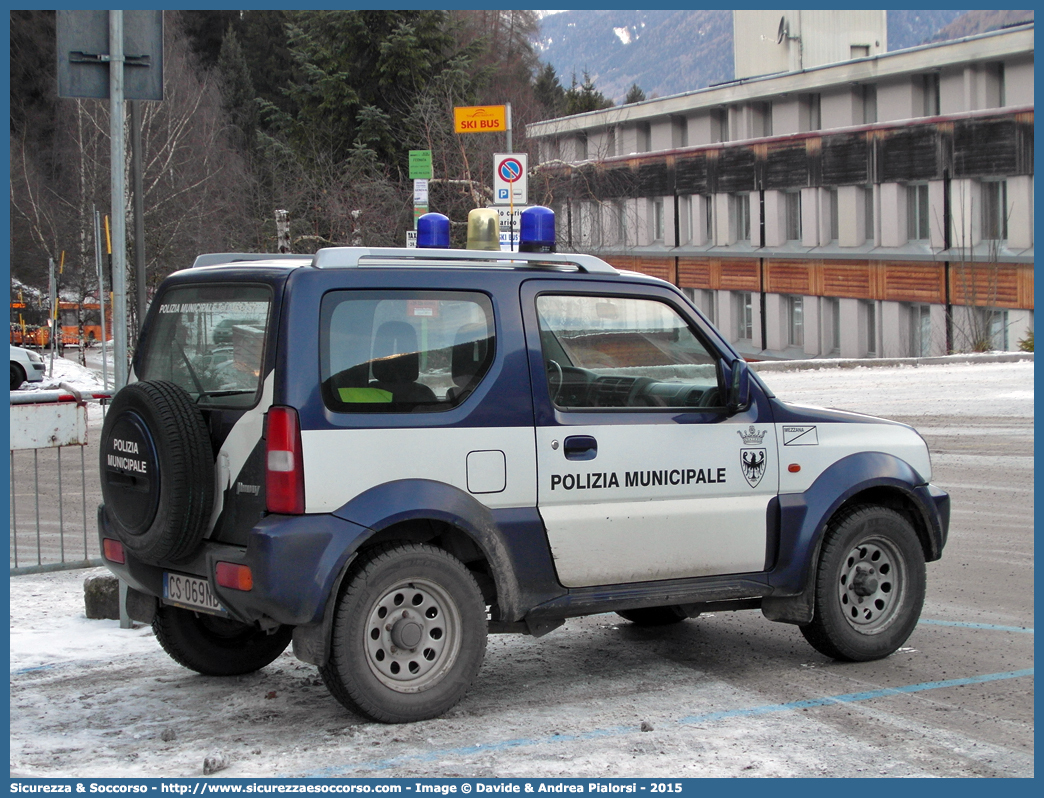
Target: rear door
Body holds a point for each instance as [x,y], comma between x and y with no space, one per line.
[642,475]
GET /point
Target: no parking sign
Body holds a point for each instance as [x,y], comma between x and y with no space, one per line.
[510,185]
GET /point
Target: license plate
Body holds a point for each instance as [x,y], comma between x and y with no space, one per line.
[191,592]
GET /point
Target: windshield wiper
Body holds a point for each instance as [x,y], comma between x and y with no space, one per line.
[230,392]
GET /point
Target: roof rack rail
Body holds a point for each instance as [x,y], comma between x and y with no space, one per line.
[353,257]
[218,258]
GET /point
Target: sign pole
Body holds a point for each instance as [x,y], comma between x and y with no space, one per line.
[507,112]
[119,217]
[101,296]
[511,194]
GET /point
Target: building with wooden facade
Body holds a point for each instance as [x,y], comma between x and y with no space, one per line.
[879,206]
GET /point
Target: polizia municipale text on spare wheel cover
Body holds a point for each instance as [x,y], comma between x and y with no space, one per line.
[157,470]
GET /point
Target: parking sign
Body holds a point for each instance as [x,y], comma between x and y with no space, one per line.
[510,184]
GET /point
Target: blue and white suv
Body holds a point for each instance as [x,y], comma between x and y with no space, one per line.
[383,455]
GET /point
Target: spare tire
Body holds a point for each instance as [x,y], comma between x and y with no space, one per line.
[157,470]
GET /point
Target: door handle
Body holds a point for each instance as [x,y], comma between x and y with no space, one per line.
[580,447]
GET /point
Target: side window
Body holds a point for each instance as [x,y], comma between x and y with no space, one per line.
[403,351]
[623,352]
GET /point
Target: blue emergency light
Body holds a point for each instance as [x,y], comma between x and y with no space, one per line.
[536,230]
[433,231]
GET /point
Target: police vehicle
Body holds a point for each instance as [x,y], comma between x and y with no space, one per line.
[384,455]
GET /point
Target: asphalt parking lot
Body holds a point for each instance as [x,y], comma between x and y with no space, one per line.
[721,695]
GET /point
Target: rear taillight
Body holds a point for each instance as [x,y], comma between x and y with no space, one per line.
[284,466]
[232,575]
[113,550]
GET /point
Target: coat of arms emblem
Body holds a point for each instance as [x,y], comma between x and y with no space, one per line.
[753,457]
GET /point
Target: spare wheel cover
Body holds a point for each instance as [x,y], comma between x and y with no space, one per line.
[157,470]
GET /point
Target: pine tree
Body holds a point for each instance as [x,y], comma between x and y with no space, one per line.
[238,97]
[634,95]
[549,92]
[585,97]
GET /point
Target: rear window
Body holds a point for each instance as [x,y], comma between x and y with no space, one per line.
[210,340]
[403,351]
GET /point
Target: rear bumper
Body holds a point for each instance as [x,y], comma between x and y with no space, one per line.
[294,561]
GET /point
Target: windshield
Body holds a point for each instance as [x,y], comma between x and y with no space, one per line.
[210,340]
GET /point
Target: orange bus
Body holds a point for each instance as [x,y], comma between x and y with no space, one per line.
[76,320]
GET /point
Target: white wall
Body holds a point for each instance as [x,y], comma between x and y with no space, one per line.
[841,108]
[786,116]
[1020,219]
[661,134]
[701,129]
[1018,82]
[775,218]
[810,217]
[965,213]
[851,211]
[893,214]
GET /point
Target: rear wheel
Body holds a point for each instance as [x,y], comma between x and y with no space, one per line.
[216,646]
[870,586]
[409,635]
[17,376]
[656,616]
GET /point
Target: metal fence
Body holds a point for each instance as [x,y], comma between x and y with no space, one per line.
[54,480]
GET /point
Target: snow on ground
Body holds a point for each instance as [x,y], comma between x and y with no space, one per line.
[986,389]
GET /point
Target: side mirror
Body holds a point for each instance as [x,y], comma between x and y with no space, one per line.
[739,388]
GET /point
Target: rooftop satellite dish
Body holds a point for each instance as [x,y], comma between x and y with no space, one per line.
[782,32]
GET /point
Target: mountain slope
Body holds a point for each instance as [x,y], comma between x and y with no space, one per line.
[669,52]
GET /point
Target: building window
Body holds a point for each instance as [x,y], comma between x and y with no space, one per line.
[868,211]
[859,51]
[581,147]
[920,330]
[762,119]
[620,222]
[834,222]
[741,216]
[657,220]
[994,74]
[707,305]
[679,131]
[995,210]
[708,218]
[610,142]
[871,328]
[644,137]
[720,124]
[833,305]
[997,326]
[744,316]
[917,228]
[795,321]
[869,104]
[793,211]
[812,109]
[930,93]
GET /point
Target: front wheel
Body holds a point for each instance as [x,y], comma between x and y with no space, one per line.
[409,635]
[17,376]
[869,586]
[216,646]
